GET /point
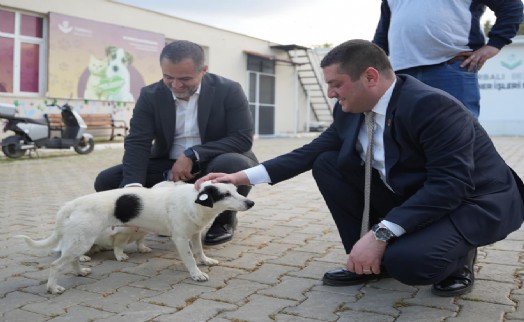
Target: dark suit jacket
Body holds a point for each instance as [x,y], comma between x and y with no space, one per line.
[224,121]
[438,159]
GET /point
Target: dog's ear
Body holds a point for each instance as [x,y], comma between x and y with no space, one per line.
[129,58]
[207,196]
[110,50]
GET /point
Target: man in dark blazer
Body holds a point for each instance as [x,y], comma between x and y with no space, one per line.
[439,189]
[188,124]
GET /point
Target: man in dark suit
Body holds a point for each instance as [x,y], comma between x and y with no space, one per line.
[188,124]
[439,189]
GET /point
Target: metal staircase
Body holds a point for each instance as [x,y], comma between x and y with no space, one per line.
[311,79]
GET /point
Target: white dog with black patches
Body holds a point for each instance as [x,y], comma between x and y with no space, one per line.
[172,209]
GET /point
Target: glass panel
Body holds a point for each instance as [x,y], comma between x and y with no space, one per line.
[267,89]
[6,61]
[29,67]
[266,123]
[252,87]
[31,26]
[7,22]
[259,64]
[253,63]
[268,66]
[253,111]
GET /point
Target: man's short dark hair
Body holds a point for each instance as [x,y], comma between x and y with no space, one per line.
[355,56]
[179,50]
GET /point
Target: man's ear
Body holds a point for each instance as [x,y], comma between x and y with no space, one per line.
[205,196]
[372,76]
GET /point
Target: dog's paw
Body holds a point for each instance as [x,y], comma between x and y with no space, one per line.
[55,289]
[209,261]
[144,249]
[84,258]
[121,257]
[199,276]
[84,271]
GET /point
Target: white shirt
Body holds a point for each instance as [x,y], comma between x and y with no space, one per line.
[258,174]
[186,133]
[378,137]
[415,41]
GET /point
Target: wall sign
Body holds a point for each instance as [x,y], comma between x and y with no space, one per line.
[100,61]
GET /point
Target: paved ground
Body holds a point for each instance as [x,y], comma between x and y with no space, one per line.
[270,272]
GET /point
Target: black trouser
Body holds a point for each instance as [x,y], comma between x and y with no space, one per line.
[111,178]
[425,256]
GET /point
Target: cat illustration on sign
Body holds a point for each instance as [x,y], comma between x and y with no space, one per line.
[97,73]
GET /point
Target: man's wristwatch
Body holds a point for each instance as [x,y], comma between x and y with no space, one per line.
[382,233]
[191,154]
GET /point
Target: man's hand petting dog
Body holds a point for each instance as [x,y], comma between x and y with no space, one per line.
[237,178]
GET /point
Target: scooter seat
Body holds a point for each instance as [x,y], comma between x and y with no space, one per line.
[30,120]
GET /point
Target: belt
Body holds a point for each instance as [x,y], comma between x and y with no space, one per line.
[450,61]
[457,58]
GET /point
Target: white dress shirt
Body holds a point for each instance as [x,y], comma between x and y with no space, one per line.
[186,133]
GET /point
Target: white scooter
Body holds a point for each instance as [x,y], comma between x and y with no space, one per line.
[31,134]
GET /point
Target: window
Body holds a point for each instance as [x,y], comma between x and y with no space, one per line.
[261,93]
[22,53]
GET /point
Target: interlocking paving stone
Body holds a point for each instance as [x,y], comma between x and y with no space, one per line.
[320,305]
[235,291]
[258,309]
[200,310]
[291,288]
[475,311]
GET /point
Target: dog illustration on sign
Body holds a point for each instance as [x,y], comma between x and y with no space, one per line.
[114,82]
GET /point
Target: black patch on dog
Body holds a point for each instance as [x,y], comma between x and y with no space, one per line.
[209,195]
[127,207]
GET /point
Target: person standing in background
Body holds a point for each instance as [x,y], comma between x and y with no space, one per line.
[442,43]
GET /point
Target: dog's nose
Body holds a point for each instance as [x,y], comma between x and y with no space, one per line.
[249,203]
[115,68]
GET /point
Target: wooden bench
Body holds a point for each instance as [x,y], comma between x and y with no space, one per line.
[98,121]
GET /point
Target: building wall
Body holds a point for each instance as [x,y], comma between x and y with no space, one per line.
[225,50]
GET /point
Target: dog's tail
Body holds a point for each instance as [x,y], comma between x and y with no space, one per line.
[53,241]
[49,242]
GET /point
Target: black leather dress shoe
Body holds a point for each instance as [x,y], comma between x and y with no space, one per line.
[220,233]
[343,277]
[460,282]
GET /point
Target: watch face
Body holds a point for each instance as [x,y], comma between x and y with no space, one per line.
[190,154]
[382,233]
